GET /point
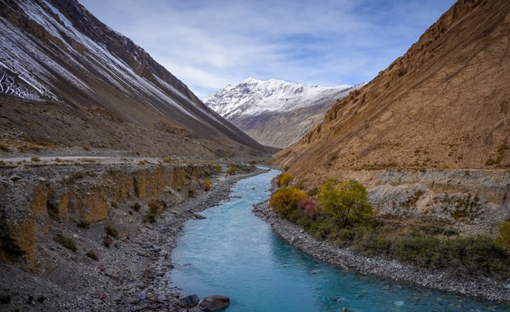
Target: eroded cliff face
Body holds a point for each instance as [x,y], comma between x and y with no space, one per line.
[444,104]
[472,202]
[36,202]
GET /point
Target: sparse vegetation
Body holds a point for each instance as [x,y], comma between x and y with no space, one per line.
[92,255]
[343,215]
[412,200]
[191,193]
[34,147]
[285,200]
[107,241]
[88,160]
[208,185]
[86,147]
[65,241]
[503,239]
[232,170]
[35,159]
[169,160]
[218,168]
[114,204]
[112,231]
[156,207]
[495,159]
[4,147]
[284,179]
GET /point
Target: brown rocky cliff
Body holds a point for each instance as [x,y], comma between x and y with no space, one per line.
[37,201]
[444,104]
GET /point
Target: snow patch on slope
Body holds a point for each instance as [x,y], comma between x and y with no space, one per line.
[254,97]
[31,63]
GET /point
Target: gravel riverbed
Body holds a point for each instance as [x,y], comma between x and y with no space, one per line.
[345,258]
[132,276]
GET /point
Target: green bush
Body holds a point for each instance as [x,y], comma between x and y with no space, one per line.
[65,241]
[208,185]
[110,230]
[92,255]
[346,202]
[232,170]
[156,207]
[285,200]
[503,239]
[284,179]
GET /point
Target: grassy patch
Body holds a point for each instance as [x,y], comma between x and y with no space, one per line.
[112,231]
[232,170]
[65,241]
[4,147]
[92,255]
[156,207]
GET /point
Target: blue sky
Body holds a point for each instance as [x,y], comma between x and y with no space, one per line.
[210,43]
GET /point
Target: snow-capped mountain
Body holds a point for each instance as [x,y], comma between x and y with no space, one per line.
[57,51]
[275,112]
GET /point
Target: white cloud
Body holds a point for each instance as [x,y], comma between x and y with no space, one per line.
[208,44]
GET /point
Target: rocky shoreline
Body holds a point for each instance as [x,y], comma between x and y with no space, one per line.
[345,258]
[131,276]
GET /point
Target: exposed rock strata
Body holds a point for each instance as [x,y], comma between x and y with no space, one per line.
[130,274]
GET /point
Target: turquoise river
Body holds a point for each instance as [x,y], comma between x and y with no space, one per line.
[233,253]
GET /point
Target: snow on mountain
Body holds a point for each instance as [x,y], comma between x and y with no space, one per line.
[57,51]
[275,112]
[252,97]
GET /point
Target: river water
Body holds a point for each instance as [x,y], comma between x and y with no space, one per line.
[233,253]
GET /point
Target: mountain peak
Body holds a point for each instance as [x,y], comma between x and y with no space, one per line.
[253,96]
[266,109]
[252,80]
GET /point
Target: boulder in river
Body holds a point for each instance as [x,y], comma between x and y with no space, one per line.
[214,302]
[189,301]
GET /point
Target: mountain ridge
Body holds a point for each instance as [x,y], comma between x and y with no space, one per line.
[66,55]
[443,104]
[275,112]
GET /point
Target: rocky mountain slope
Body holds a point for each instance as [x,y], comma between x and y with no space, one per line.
[444,104]
[67,79]
[275,112]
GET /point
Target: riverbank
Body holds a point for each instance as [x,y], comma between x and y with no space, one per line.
[128,276]
[345,258]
